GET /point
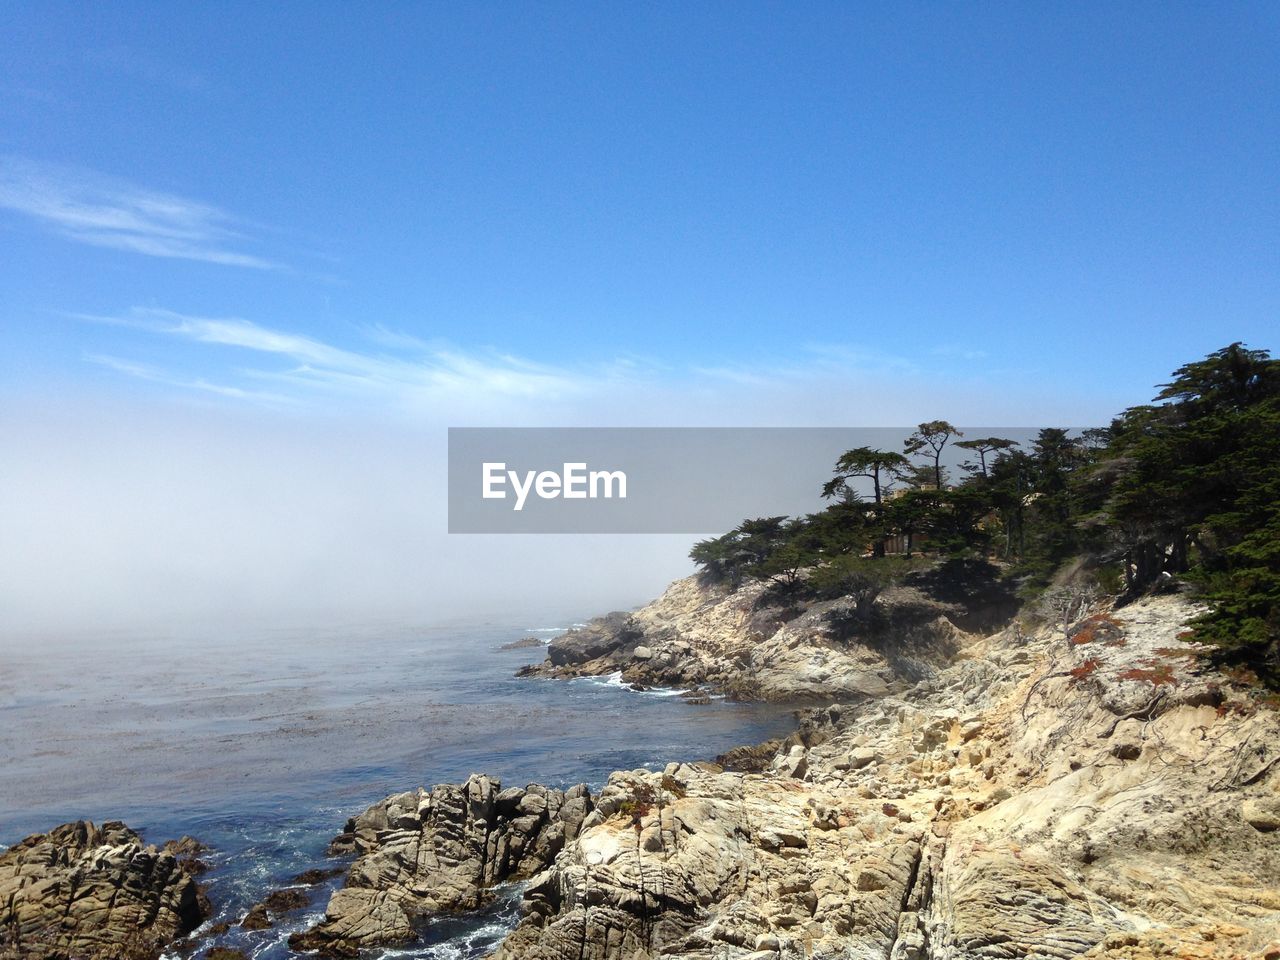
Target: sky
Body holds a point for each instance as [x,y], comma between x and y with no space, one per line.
[239,241]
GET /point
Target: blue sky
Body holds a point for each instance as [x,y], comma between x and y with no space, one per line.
[274,204]
[254,258]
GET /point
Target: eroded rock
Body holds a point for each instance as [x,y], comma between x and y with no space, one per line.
[437,850]
[80,891]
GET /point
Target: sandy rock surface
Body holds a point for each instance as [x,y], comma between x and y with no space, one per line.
[1092,793]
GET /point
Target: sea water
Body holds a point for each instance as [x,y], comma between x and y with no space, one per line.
[261,744]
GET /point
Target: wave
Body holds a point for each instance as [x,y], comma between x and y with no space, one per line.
[615,680]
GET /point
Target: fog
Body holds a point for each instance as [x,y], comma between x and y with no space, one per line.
[160,512]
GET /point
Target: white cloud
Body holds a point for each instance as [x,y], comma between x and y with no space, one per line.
[383,371]
[89,208]
[416,372]
[155,375]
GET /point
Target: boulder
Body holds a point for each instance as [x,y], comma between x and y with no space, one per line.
[95,894]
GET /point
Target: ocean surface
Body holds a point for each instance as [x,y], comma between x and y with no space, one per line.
[261,745]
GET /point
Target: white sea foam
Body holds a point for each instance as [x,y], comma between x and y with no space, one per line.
[615,680]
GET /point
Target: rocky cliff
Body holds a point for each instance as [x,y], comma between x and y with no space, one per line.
[701,637]
[86,891]
[1093,792]
[432,851]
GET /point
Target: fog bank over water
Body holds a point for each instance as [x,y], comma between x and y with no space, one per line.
[166,513]
[178,525]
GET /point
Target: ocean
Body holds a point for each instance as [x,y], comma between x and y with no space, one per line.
[262,744]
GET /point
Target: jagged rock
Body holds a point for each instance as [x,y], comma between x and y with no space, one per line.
[1011,811]
[286,901]
[857,759]
[83,892]
[440,850]
[309,878]
[601,636]
[275,903]
[699,635]
[691,862]
[750,759]
[794,763]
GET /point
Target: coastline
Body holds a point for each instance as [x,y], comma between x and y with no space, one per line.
[886,824]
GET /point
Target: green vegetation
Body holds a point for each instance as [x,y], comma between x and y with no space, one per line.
[1184,492]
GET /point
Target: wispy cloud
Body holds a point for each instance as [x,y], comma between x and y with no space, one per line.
[153,374]
[416,370]
[959,353]
[376,368]
[104,212]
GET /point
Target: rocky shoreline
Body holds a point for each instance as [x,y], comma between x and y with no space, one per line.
[1042,793]
[707,640]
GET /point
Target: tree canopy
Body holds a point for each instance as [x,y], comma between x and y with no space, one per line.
[1184,490]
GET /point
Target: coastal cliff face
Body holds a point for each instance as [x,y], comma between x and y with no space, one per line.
[86,891]
[432,851]
[708,639]
[1092,793]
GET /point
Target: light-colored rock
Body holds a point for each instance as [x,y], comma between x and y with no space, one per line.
[1262,813]
[710,638]
[1004,808]
[440,850]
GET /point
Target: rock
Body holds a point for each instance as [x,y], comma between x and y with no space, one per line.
[697,634]
[88,892]
[1127,751]
[732,868]
[750,759]
[523,643]
[1262,813]
[285,901]
[861,757]
[980,815]
[225,953]
[601,636]
[257,918]
[795,763]
[309,878]
[439,850]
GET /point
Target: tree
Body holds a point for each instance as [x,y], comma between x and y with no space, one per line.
[983,448]
[881,467]
[911,513]
[1229,379]
[786,553]
[862,579]
[878,466]
[930,439]
[730,558]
